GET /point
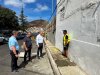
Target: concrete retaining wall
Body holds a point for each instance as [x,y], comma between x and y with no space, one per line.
[81,19]
[51,37]
[51,33]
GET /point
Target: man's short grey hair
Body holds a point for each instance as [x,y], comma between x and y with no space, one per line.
[41,31]
[28,32]
[13,32]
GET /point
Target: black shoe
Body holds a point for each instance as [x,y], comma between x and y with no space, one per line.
[17,67]
[12,70]
[30,60]
[24,61]
[42,57]
[16,71]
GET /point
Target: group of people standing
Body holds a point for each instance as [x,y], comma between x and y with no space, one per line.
[27,45]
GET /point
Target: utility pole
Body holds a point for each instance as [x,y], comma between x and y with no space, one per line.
[22,18]
[22,14]
[52,6]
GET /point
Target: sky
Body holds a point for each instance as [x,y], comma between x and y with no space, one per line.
[33,9]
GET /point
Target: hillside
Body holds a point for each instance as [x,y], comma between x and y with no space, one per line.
[38,23]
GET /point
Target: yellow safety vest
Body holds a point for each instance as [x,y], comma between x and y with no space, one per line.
[66,41]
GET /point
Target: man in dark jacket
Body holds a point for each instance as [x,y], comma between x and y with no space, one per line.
[27,46]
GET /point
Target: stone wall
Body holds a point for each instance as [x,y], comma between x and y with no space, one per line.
[81,19]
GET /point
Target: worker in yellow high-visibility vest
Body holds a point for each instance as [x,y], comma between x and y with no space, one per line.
[66,41]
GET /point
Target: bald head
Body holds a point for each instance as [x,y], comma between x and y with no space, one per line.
[41,32]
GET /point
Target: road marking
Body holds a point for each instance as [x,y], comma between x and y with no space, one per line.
[86,42]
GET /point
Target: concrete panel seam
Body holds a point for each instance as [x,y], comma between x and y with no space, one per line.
[86,42]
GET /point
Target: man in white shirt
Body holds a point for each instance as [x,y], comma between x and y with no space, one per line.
[39,42]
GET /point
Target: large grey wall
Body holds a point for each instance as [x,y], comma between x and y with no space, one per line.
[51,37]
[82,20]
[51,33]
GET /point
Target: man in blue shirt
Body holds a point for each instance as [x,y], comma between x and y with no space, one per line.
[14,50]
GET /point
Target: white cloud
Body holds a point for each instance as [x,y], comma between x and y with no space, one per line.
[17,3]
[29,1]
[40,8]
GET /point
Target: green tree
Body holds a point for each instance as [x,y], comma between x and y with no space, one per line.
[8,19]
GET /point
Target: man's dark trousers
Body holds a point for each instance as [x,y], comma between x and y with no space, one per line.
[13,61]
[40,49]
[29,54]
